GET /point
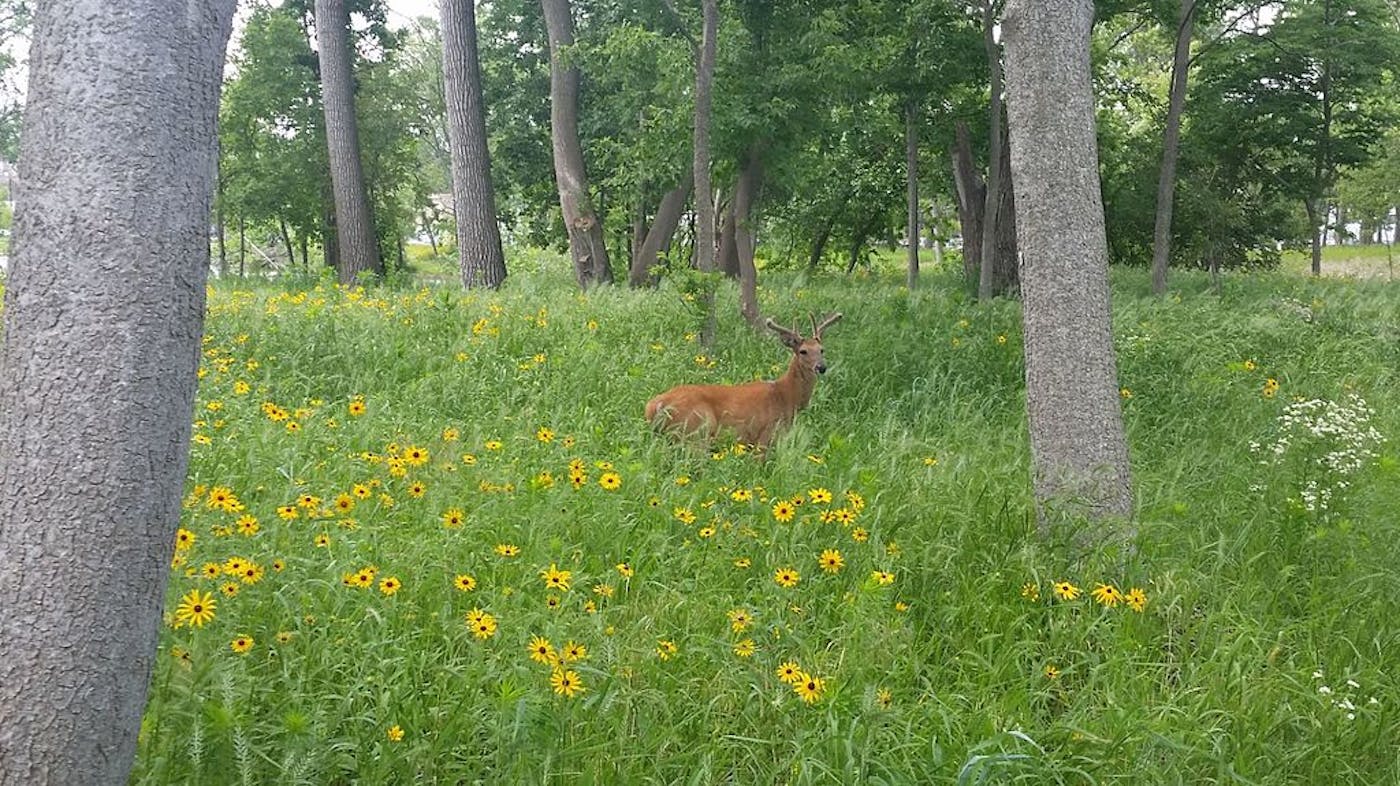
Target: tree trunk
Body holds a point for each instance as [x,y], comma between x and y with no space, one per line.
[102,325]
[242,247]
[1005,278]
[728,246]
[745,195]
[704,88]
[858,238]
[287,244]
[1171,146]
[911,176]
[935,214]
[971,202]
[220,226]
[1078,449]
[482,262]
[1316,225]
[359,252]
[586,244]
[668,216]
[986,273]
[330,242]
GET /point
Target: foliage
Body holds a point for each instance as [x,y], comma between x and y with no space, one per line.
[983,671]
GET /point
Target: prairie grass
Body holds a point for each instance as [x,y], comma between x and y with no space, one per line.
[966,667]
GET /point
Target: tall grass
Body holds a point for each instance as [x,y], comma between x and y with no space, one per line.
[966,668]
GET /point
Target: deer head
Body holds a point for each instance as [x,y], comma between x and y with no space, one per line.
[807,352]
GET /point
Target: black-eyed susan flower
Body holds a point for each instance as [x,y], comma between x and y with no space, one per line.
[452,518]
[1066,591]
[361,491]
[541,651]
[610,481]
[1051,671]
[566,683]
[553,602]
[415,456]
[741,495]
[743,563]
[287,512]
[184,539]
[344,503]
[787,577]
[544,434]
[809,687]
[573,652]
[666,649]
[855,501]
[389,585]
[882,577]
[1136,599]
[323,540]
[241,644]
[789,672]
[283,637]
[844,516]
[1107,595]
[555,579]
[819,496]
[482,624]
[464,582]
[195,609]
[744,648]
[356,407]
[1030,591]
[624,569]
[417,489]
[507,550]
[684,515]
[739,619]
[248,526]
[493,444]
[784,510]
[831,561]
[860,535]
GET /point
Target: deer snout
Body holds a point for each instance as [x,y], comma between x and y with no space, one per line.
[821,368]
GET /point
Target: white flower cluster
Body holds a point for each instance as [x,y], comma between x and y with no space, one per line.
[1297,308]
[1334,439]
[1346,700]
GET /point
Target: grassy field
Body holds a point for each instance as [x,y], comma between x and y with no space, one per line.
[1346,261]
[442,546]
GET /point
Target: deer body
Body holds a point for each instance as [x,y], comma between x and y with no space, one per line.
[755,411]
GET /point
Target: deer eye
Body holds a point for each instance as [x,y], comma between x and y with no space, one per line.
[801,351]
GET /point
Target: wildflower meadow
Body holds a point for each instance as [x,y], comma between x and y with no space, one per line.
[428,537]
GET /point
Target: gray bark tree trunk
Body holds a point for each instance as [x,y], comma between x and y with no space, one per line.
[481,259]
[585,229]
[1078,449]
[704,89]
[971,192]
[728,246]
[102,326]
[668,217]
[1171,146]
[745,195]
[986,273]
[354,223]
[911,176]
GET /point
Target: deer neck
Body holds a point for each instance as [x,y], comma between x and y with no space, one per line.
[795,386]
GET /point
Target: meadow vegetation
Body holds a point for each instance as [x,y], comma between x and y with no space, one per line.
[428,538]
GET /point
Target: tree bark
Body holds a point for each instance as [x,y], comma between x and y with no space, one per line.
[1005,279]
[1078,449]
[287,244]
[911,176]
[242,247]
[668,217]
[971,194]
[704,88]
[1317,229]
[745,195]
[482,261]
[1171,145]
[102,325]
[992,202]
[359,251]
[586,243]
[935,215]
[728,246]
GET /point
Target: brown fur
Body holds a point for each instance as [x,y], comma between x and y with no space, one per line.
[755,411]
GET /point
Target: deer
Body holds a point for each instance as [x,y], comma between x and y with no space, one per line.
[756,411]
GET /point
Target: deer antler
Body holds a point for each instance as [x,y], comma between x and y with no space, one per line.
[826,323]
[790,337]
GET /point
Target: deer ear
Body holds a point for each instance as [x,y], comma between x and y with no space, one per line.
[790,339]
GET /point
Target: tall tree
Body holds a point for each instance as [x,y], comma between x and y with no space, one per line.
[995,147]
[581,221]
[1171,144]
[354,223]
[483,262]
[1079,452]
[911,180]
[704,89]
[102,326]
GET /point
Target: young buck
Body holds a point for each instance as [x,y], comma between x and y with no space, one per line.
[754,411]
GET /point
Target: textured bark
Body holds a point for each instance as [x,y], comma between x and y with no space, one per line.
[996,152]
[704,88]
[102,326]
[728,247]
[745,195]
[586,245]
[911,176]
[668,216]
[1005,278]
[359,251]
[483,263]
[1171,146]
[971,202]
[1078,449]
